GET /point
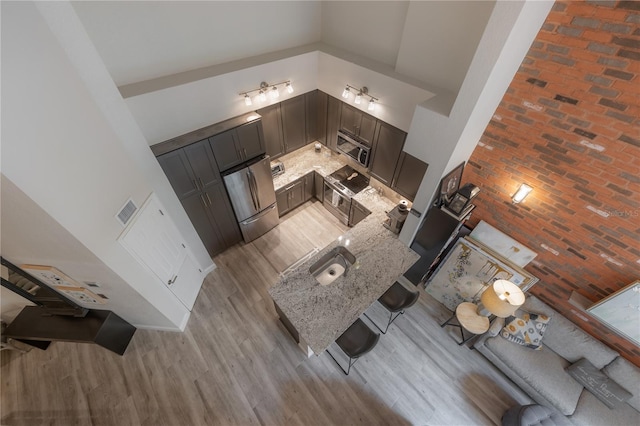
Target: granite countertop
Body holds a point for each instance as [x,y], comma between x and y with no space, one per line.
[322,313]
[301,161]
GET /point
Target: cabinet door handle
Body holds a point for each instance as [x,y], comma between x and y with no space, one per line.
[201,184]
[208,199]
[171,281]
[289,187]
[195,183]
[244,152]
[203,201]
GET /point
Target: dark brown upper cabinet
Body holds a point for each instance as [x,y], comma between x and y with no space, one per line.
[387,146]
[408,175]
[272,129]
[294,123]
[358,123]
[234,146]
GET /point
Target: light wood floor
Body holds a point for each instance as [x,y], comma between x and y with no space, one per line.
[236,364]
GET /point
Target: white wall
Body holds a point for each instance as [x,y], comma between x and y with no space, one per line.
[444,142]
[59,149]
[177,110]
[397,99]
[372,29]
[440,39]
[148,39]
[30,235]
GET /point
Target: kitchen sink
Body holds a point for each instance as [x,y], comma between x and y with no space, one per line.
[333,265]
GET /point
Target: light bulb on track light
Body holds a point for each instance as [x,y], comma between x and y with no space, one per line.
[247,100]
[289,87]
[358,98]
[371,106]
[346,92]
[275,93]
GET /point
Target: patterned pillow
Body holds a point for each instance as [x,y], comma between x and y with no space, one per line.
[526,331]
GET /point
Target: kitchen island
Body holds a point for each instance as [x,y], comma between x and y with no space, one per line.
[320,314]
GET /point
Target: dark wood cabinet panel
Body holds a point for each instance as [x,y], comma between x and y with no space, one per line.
[272,130]
[237,145]
[358,123]
[296,194]
[309,188]
[293,122]
[250,140]
[221,212]
[367,127]
[291,196]
[282,200]
[208,231]
[357,213]
[349,119]
[225,149]
[311,114]
[387,147]
[203,162]
[318,182]
[333,122]
[408,176]
[322,100]
[175,165]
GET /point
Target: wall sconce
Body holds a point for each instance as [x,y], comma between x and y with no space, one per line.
[272,89]
[521,194]
[364,91]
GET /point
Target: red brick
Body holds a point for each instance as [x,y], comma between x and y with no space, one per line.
[597,36]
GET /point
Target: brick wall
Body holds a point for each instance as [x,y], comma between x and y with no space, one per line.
[569,126]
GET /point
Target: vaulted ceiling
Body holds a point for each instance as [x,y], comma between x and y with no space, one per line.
[430,41]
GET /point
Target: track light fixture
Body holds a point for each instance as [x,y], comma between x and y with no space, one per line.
[364,91]
[265,88]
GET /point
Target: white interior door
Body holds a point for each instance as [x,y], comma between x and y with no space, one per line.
[153,240]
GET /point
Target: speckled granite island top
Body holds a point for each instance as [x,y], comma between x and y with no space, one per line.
[321,313]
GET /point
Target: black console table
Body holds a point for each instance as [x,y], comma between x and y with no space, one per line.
[35,326]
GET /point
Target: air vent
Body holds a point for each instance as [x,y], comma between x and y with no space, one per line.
[126,212]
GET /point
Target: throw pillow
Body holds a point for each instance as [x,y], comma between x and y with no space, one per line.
[527,331]
[598,383]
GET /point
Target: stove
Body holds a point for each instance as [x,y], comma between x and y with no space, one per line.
[348,180]
[339,187]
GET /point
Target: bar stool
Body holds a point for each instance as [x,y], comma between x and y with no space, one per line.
[356,341]
[396,300]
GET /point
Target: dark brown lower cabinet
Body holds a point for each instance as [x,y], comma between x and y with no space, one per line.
[357,213]
[318,183]
[212,216]
[296,193]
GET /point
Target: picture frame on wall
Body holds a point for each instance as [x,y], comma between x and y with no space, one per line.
[620,312]
[468,269]
[449,184]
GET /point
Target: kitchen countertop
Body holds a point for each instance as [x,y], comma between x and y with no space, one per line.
[301,161]
[321,313]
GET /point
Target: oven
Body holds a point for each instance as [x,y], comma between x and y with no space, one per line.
[336,201]
[353,148]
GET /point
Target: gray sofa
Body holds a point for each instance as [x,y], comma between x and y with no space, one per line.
[542,375]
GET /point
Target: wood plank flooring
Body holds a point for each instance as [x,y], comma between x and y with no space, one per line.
[236,365]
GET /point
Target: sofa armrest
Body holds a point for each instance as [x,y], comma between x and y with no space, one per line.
[495,327]
[494,330]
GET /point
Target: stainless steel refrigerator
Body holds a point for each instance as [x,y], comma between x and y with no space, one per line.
[250,188]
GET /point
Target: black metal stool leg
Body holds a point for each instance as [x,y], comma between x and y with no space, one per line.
[342,368]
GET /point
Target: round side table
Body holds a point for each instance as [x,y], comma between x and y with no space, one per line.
[469,320]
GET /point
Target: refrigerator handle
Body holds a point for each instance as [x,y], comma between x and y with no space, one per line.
[253,195]
[255,189]
[255,219]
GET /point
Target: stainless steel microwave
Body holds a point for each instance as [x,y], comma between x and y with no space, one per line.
[353,148]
